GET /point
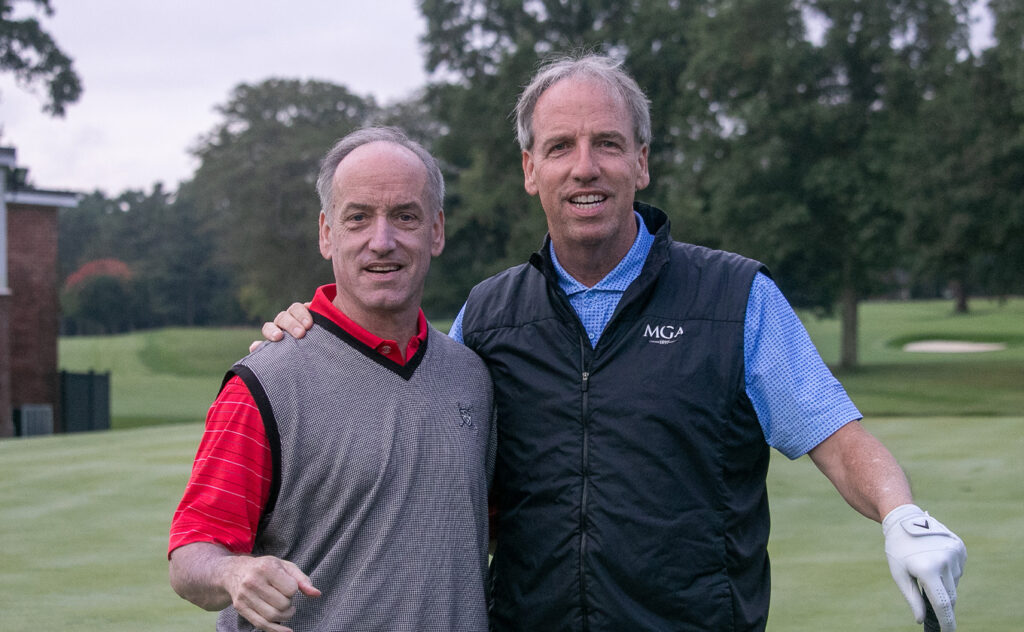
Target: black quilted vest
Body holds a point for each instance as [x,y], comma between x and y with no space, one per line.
[630,477]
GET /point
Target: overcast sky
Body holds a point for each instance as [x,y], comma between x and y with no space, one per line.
[153,71]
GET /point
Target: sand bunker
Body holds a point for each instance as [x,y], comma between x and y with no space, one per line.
[952,346]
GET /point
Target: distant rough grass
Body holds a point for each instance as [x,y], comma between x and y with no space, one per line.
[890,381]
[159,376]
[172,375]
[885,326]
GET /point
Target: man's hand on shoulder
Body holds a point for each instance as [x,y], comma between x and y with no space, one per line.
[924,556]
[296,320]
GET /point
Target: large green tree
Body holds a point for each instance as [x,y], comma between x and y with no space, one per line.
[1005,62]
[32,55]
[254,187]
[959,165]
[798,108]
[481,53]
[774,120]
[180,276]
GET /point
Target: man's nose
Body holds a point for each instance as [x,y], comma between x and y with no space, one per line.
[382,237]
[585,167]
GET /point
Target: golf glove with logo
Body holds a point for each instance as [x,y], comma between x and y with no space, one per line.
[924,556]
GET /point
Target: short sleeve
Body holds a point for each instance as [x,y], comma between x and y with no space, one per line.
[799,403]
[231,476]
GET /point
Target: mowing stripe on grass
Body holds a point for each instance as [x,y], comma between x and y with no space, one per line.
[84,520]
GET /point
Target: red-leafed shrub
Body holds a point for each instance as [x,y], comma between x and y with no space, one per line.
[99,267]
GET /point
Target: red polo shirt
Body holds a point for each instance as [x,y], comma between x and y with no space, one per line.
[231,474]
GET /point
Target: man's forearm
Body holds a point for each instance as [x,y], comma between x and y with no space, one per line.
[863,471]
[196,572]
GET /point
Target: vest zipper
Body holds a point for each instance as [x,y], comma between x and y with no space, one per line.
[585,466]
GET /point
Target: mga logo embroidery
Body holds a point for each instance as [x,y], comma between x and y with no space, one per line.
[466,413]
[663,334]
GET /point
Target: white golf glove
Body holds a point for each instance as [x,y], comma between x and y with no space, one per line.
[924,556]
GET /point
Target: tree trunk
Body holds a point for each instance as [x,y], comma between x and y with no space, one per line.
[848,326]
[959,289]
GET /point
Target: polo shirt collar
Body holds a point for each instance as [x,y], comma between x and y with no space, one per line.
[323,304]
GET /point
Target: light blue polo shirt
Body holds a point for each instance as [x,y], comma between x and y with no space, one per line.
[799,403]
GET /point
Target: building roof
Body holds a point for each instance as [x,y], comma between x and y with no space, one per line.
[39,197]
[16,191]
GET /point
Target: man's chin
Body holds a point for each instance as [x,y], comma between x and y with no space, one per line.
[593,235]
[390,305]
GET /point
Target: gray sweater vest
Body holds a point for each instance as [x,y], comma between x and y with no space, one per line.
[380,480]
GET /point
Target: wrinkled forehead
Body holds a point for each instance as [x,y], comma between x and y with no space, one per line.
[582,101]
[590,81]
[384,158]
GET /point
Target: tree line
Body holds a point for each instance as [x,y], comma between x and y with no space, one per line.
[857,147]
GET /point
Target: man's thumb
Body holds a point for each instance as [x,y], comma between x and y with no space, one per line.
[306,586]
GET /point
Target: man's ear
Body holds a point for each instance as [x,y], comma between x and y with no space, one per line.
[528,181]
[643,176]
[437,239]
[325,236]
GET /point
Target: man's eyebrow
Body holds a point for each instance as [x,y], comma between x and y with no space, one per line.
[610,135]
[404,206]
[563,138]
[349,207]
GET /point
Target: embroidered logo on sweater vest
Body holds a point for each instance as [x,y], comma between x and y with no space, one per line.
[466,413]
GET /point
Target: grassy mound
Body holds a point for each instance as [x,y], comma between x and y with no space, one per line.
[160,376]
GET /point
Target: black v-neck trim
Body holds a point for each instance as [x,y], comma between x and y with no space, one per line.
[262,402]
[405,371]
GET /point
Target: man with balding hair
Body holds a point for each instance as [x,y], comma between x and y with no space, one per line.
[341,483]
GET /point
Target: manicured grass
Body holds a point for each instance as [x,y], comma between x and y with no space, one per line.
[84,518]
[829,567]
[84,525]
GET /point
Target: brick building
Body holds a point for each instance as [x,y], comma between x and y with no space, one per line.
[29,304]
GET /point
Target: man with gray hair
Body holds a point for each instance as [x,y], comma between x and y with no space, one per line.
[640,383]
[342,480]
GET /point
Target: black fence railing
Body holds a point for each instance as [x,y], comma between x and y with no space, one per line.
[84,401]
